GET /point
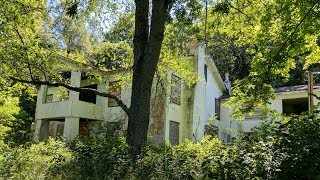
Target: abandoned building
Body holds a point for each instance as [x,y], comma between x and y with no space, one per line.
[180,115]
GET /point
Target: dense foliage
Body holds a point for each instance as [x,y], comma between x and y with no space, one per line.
[278,150]
[17,110]
[261,44]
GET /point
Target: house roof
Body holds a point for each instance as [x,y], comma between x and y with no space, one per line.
[86,67]
[296,88]
[303,87]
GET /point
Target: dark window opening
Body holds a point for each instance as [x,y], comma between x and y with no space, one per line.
[294,106]
[174,133]
[114,89]
[175,90]
[88,97]
[84,125]
[217,109]
[66,75]
[206,72]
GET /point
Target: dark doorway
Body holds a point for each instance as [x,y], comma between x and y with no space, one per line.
[174,133]
[84,127]
[295,106]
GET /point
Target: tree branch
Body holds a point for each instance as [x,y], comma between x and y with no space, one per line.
[77,89]
[296,28]
[25,49]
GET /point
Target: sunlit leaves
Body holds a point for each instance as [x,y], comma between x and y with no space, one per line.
[276,33]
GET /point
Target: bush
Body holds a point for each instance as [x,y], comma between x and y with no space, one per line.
[186,161]
[282,150]
[37,161]
[300,142]
[100,158]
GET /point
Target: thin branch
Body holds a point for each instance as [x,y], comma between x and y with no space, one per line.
[296,28]
[77,89]
[238,9]
[25,49]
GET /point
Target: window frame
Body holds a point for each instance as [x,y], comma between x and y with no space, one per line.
[173,93]
[48,95]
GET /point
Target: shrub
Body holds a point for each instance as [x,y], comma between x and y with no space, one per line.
[282,150]
[300,141]
[37,161]
[100,158]
[186,161]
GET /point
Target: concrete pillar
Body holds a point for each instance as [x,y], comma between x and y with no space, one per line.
[41,130]
[199,110]
[71,127]
[102,101]
[42,93]
[75,81]
[41,98]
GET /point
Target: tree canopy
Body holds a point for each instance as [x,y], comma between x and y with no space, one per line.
[272,37]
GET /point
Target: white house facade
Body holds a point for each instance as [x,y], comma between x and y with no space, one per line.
[288,100]
[181,115]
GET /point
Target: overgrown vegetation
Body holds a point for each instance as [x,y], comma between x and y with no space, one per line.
[278,150]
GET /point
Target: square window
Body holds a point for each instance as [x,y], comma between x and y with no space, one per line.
[88,97]
[49,98]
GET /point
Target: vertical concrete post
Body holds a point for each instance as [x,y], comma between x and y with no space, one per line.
[199,110]
[41,130]
[41,98]
[102,101]
[75,81]
[42,93]
[310,91]
[71,127]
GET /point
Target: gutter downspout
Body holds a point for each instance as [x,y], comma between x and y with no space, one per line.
[310,91]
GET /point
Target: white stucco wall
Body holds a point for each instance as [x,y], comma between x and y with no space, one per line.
[227,125]
[205,93]
[214,89]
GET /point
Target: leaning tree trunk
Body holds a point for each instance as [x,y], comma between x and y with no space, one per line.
[146,56]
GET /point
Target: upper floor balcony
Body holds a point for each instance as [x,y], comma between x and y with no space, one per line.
[69,108]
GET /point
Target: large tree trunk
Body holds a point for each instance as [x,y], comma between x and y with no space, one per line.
[146,56]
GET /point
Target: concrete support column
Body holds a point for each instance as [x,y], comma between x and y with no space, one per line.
[75,81]
[42,94]
[41,130]
[102,101]
[71,127]
[41,99]
[199,110]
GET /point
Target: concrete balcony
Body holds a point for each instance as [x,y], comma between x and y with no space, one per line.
[62,109]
